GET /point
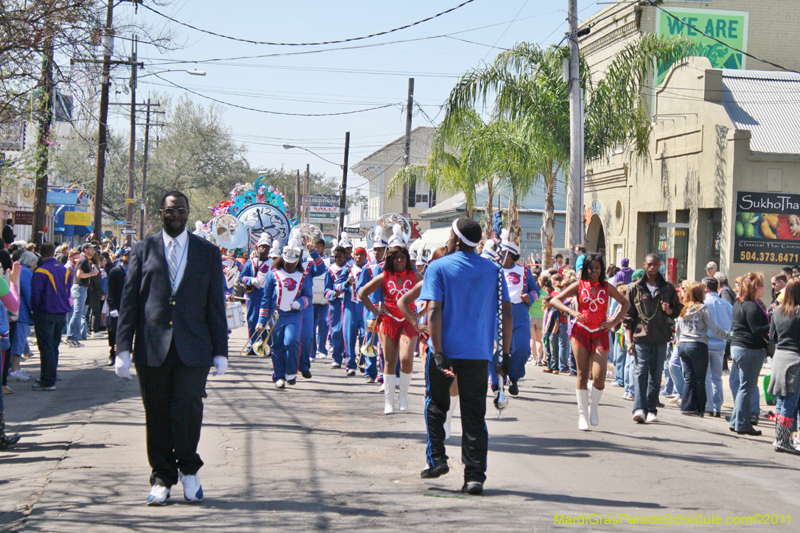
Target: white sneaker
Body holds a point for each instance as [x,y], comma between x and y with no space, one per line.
[192,491]
[638,416]
[351,372]
[280,384]
[19,375]
[336,365]
[651,417]
[159,494]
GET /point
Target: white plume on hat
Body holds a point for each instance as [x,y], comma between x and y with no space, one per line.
[488,249]
[397,238]
[345,241]
[506,245]
[275,252]
[264,239]
[292,250]
[377,238]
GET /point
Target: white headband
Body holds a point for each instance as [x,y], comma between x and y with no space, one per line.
[460,236]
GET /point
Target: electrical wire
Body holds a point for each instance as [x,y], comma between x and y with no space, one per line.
[350,39]
[273,112]
[507,28]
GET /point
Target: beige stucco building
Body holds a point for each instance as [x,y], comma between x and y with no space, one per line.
[717,132]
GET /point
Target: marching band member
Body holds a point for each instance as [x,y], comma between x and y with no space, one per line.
[314,269]
[398,336]
[489,251]
[522,291]
[320,305]
[285,290]
[352,308]
[590,332]
[345,243]
[255,290]
[368,273]
[334,296]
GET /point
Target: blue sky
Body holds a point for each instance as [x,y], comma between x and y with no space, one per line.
[334,81]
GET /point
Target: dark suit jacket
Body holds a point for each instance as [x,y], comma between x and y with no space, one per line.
[116,280]
[194,318]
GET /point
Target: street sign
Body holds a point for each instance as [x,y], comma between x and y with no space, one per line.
[356,232]
[62,198]
[77,218]
[128,231]
[130,200]
[120,222]
[23,218]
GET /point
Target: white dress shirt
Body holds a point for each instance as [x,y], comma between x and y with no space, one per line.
[181,252]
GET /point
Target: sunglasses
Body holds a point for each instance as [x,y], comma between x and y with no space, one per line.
[176,211]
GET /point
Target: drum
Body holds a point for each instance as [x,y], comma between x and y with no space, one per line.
[235,315]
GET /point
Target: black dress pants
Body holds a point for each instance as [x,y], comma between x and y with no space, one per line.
[173,404]
[472,387]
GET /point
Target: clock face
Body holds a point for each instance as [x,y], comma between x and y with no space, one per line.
[265,219]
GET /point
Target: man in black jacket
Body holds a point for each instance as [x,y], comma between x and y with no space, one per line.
[8,232]
[173,303]
[116,280]
[648,329]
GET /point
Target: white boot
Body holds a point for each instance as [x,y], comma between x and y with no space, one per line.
[583,407]
[594,415]
[405,384]
[448,422]
[388,393]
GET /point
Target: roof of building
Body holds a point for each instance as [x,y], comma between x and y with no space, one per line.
[393,153]
[533,203]
[766,103]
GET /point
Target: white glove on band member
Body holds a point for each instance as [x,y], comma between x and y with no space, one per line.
[296,305]
[122,365]
[220,364]
[114,314]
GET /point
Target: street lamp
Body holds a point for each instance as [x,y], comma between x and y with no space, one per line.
[289,147]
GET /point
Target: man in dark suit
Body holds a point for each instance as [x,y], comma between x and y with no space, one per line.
[116,280]
[172,302]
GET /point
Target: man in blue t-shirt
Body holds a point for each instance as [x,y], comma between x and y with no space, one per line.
[462,293]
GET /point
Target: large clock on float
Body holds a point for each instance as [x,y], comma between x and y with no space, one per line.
[264,219]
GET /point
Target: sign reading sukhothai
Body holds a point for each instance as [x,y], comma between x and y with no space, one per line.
[767,228]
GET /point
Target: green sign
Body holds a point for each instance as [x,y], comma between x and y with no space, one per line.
[730,27]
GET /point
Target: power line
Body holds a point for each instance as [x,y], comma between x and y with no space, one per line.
[273,112]
[507,28]
[351,39]
[652,3]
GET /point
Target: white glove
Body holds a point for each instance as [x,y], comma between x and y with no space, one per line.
[295,305]
[114,314]
[122,365]
[221,365]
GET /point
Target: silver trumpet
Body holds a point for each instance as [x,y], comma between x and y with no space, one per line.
[500,401]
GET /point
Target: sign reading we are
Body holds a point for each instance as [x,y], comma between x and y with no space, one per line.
[730,27]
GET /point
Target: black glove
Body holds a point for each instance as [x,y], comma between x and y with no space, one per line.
[503,363]
[442,362]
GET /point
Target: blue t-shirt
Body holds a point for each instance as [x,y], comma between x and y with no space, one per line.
[466,284]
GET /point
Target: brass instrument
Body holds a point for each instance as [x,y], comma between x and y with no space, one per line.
[261,347]
[303,230]
[368,350]
[390,219]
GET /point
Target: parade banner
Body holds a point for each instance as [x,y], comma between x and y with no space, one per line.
[767,228]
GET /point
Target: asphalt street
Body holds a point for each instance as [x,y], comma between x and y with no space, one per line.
[322,456]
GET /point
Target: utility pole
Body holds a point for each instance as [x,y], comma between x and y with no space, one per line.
[42,148]
[297,212]
[132,149]
[574,205]
[343,195]
[102,133]
[407,156]
[304,217]
[147,125]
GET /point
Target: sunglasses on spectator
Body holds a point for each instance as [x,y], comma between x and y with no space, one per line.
[176,211]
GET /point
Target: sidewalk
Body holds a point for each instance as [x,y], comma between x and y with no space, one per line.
[321,456]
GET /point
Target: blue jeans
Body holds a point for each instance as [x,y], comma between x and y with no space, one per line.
[75,327]
[647,380]
[733,381]
[749,362]
[620,358]
[694,361]
[552,351]
[676,372]
[564,349]
[714,380]
[630,373]
[786,406]
[48,336]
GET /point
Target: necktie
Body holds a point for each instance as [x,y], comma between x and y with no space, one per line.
[172,260]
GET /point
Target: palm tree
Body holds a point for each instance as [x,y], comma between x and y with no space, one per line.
[526,86]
